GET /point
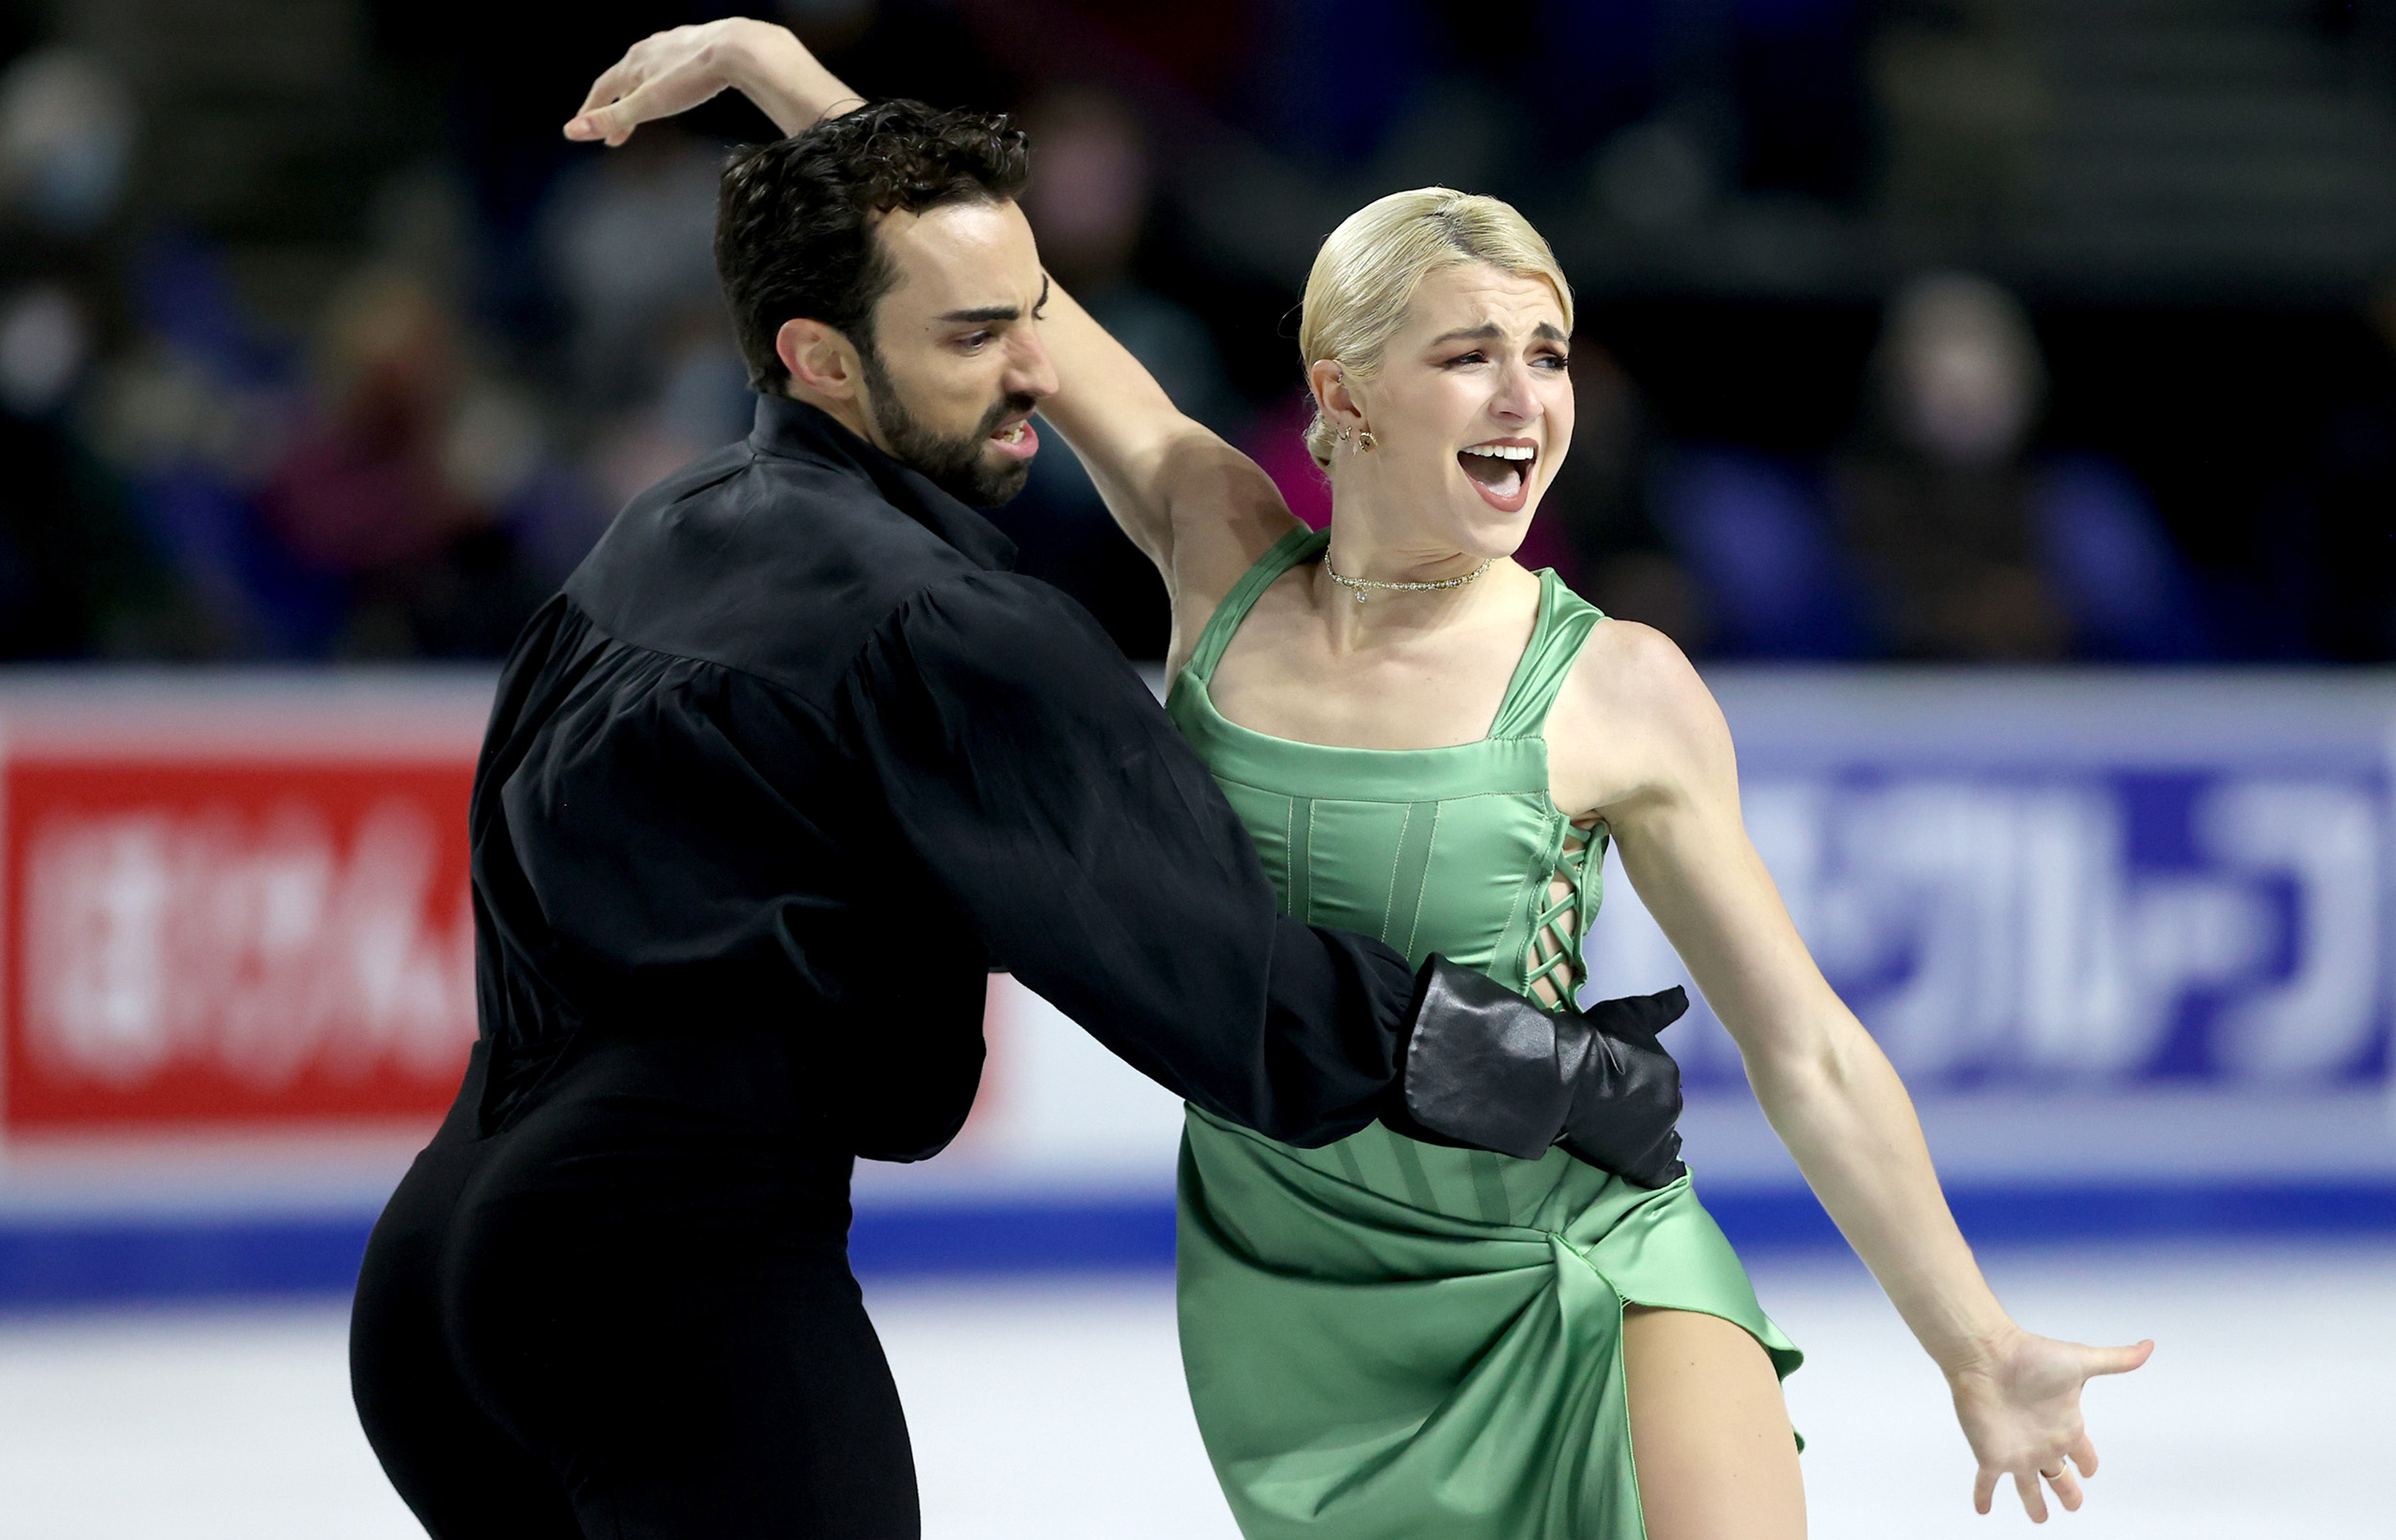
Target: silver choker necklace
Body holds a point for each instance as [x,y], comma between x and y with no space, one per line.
[1361,585]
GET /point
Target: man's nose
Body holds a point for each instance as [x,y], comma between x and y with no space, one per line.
[1030,371]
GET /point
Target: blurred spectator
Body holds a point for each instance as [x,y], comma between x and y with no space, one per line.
[630,236]
[630,241]
[75,579]
[192,416]
[400,480]
[1936,535]
[1932,499]
[1969,549]
[1087,202]
[66,141]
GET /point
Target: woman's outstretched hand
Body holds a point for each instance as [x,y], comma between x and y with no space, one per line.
[2019,1404]
[671,72]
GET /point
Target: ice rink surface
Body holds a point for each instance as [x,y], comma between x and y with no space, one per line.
[1054,1409]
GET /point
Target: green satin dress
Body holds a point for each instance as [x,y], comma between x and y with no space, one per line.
[1388,1340]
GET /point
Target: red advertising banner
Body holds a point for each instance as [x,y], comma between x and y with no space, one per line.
[202,933]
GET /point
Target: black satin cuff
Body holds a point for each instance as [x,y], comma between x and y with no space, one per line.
[1481,1066]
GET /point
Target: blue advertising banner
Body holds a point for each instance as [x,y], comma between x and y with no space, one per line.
[2125,927]
[2124,935]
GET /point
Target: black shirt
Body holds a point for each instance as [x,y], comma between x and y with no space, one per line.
[794,747]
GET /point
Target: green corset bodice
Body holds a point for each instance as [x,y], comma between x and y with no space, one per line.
[1448,850]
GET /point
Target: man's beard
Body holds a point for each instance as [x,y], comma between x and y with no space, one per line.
[957,466]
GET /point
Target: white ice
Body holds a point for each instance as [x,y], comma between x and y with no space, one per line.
[1053,1409]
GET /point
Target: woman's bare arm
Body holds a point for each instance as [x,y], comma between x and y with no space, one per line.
[1200,509]
[674,71]
[1672,807]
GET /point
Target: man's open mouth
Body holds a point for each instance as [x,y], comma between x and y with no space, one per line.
[1019,439]
[1501,472]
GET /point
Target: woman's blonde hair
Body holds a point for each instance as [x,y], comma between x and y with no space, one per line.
[1368,270]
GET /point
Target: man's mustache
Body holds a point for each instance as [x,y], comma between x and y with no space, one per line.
[1015,405]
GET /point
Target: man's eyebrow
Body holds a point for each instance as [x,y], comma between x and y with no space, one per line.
[987,313]
[997,312]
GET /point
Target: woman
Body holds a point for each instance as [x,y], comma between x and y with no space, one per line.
[1386,1338]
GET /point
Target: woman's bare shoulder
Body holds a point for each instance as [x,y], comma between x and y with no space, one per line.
[1633,714]
[1628,665]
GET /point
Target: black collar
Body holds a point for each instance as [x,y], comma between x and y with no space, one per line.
[798,431]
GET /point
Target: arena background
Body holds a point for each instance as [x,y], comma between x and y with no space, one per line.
[1998,397]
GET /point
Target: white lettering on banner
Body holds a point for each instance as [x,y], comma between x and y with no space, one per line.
[2010,930]
[258,948]
[2326,840]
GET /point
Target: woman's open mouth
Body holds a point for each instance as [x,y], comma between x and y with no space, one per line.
[1017,440]
[1500,471]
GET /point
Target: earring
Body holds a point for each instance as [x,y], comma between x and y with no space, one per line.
[1347,434]
[1366,441]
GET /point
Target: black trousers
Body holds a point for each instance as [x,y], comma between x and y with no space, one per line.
[629,1315]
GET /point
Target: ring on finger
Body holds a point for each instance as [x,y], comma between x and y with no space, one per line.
[2054,1475]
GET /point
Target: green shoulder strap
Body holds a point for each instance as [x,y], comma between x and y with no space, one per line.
[1565,621]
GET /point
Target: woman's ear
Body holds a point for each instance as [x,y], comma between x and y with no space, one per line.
[820,358]
[1333,394]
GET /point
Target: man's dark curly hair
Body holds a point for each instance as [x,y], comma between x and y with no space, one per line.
[795,219]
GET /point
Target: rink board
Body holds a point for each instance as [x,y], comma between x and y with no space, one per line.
[2124,935]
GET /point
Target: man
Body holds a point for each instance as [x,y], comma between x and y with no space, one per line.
[789,766]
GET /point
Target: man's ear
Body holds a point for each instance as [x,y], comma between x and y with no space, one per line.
[820,358]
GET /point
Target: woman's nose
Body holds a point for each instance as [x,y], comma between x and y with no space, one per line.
[1515,400]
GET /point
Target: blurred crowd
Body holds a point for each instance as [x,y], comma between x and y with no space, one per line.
[370,388]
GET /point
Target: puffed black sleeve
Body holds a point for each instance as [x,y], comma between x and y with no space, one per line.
[1058,810]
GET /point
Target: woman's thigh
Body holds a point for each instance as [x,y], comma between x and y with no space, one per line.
[1710,1433]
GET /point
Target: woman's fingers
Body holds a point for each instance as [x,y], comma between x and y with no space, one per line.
[2083,1456]
[617,122]
[650,83]
[2033,1496]
[1983,1490]
[661,75]
[2066,1486]
[621,77]
[2119,1360]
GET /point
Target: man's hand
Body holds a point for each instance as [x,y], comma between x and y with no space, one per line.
[1487,1069]
[1626,1097]
[672,71]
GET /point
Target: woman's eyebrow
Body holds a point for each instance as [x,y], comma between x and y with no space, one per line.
[1490,331]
